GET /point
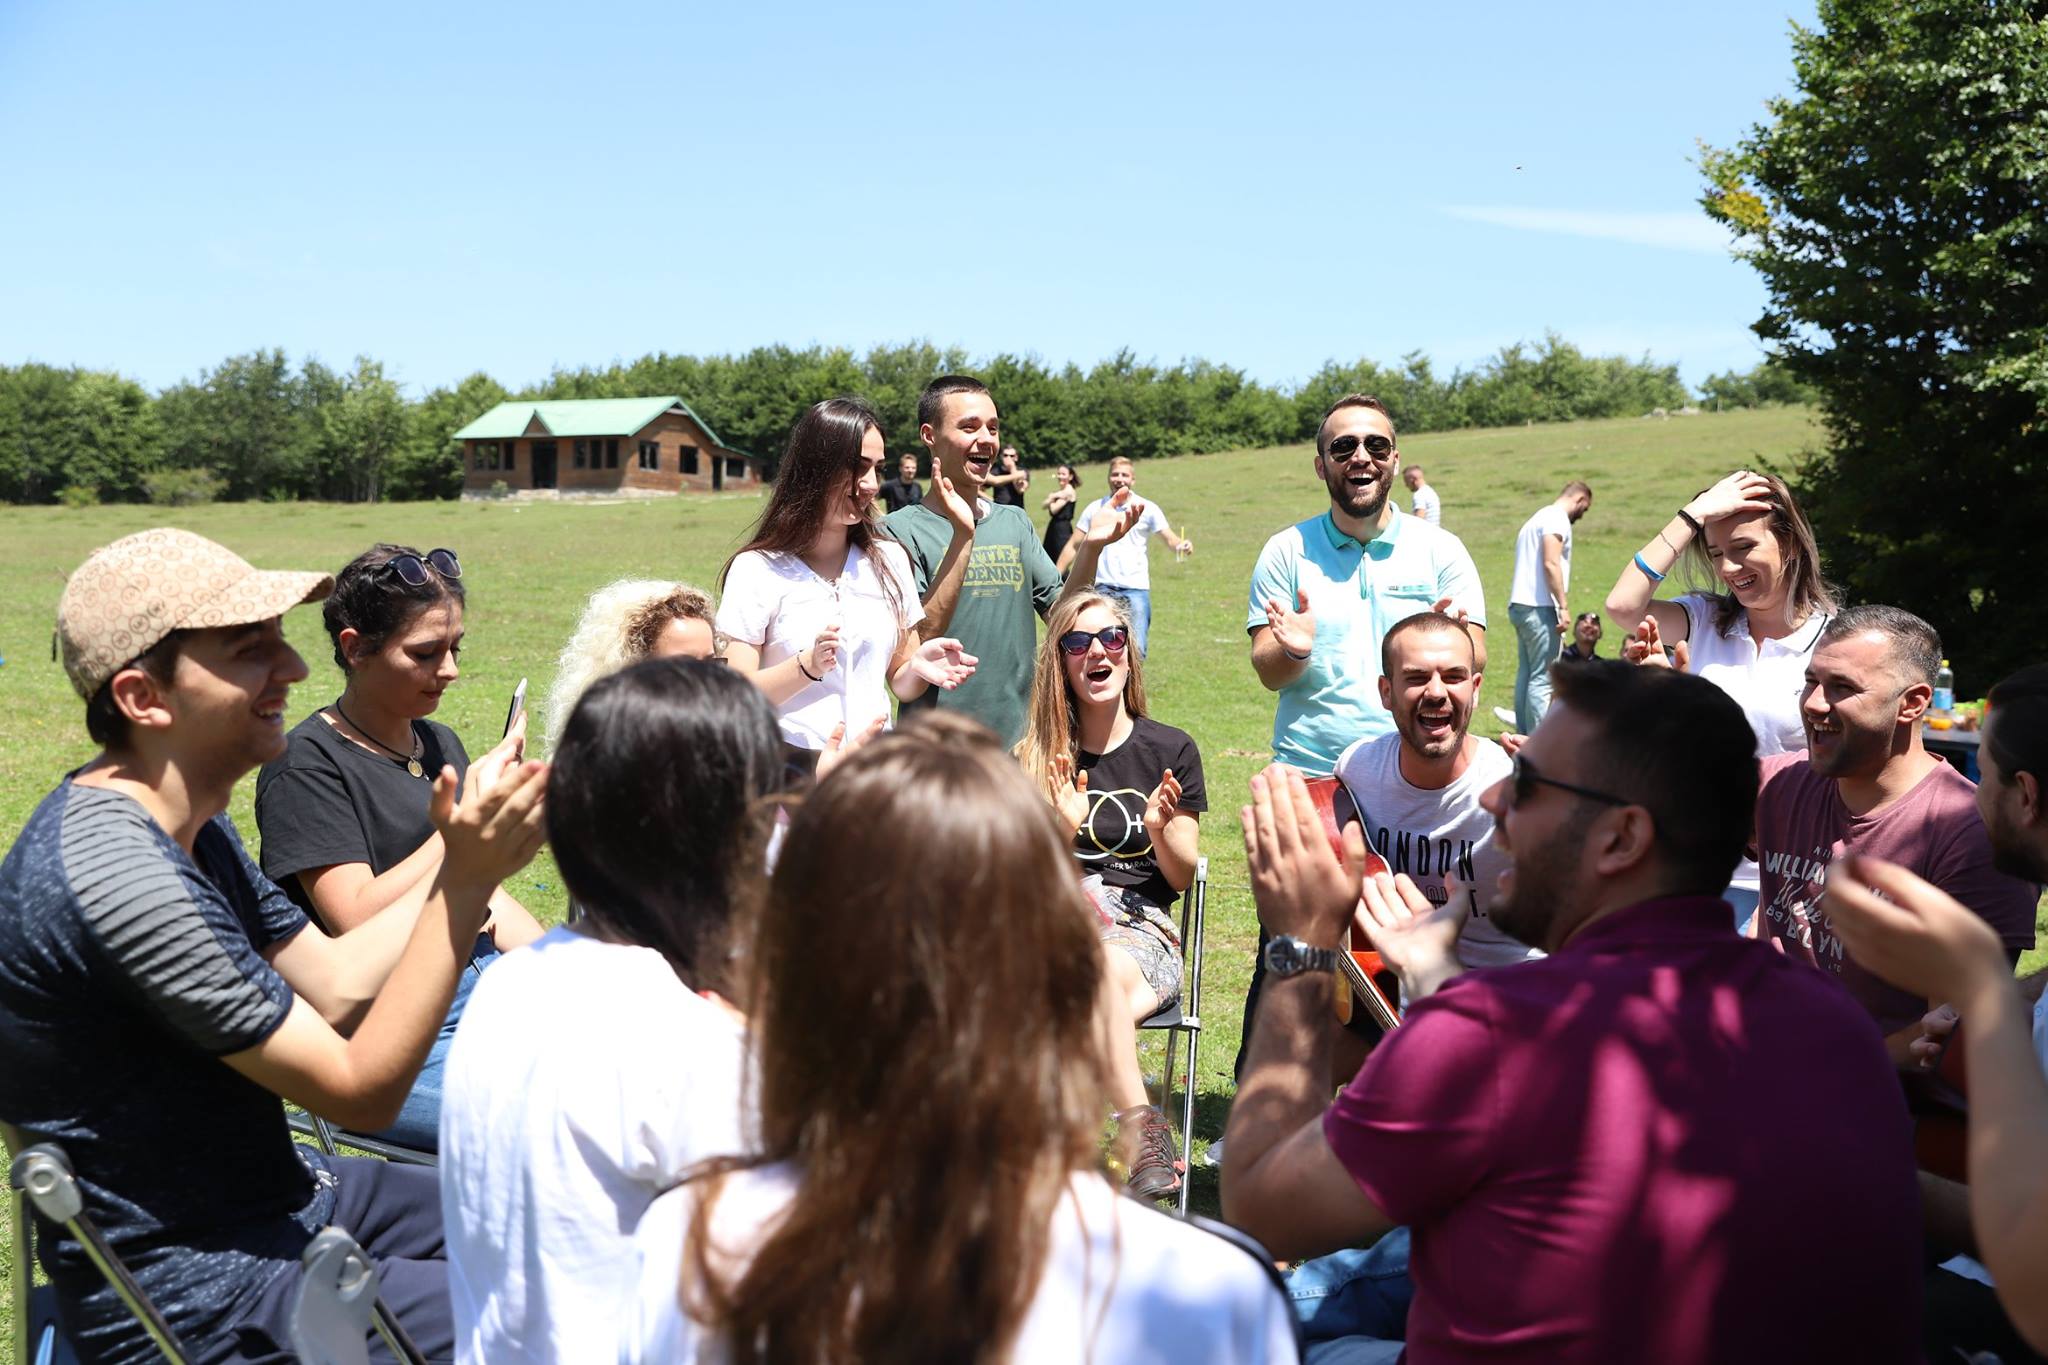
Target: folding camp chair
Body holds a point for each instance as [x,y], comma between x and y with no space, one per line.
[1185,1016]
[331,1140]
[337,1305]
[41,1178]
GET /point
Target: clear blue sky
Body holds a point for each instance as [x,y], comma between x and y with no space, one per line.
[511,186]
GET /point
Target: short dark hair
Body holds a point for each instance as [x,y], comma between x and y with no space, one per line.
[1579,486]
[2019,742]
[1351,400]
[1915,646]
[931,404]
[655,806]
[1421,620]
[103,719]
[1678,746]
[373,600]
[1584,617]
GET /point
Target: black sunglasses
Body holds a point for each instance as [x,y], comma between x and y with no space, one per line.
[1344,447]
[413,568]
[1114,639]
[1527,780]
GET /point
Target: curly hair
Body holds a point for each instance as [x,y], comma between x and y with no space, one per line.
[620,624]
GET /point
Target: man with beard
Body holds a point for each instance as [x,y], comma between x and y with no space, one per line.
[1867,787]
[1536,597]
[981,571]
[1573,1143]
[1327,590]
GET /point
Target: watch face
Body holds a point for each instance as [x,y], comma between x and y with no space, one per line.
[1283,956]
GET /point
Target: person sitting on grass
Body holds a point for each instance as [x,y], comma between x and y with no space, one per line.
[158,993]
[1588,1151]
[1129,791]
[596,1067]
[928,1185]
[343,811]
[622,623]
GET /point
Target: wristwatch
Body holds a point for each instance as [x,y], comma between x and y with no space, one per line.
[1289,956]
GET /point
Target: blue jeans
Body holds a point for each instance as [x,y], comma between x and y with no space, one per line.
[1353,1305]
[419,1122]
[1537,645]
[1744,899]
[1137,604]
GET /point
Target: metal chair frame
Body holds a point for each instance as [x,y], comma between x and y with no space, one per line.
[330,1139]
[1185,1016]
[337,1305]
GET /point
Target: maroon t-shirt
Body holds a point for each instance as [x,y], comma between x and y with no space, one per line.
[1610,1155]
[1933,830]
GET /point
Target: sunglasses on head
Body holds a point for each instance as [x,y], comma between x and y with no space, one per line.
[1344,447]
[1113,638]
[413,568]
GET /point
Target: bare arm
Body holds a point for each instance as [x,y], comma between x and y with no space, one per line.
[780,682]
[1175,833]
[951,574]
[1282,647]
[919,663]
[511,924]
[1553,576]
[346,896]
[1631,598]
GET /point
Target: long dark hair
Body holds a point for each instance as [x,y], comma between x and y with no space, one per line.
[370,598]
[933,1080]
[1806,590]
[823,445]
[655,807]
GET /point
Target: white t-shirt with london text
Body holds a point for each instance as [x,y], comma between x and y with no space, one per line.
[1122,1282]
[1530,588]
[585,1078]
[1438,837]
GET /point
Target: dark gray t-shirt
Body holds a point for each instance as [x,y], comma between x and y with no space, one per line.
[128,968]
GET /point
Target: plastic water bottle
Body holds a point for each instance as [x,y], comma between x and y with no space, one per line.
[1944,693]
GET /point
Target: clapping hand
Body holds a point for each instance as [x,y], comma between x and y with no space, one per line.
[1415,938]
[838,746]
[1741,492]
[1069,794]
[1162,805]
[1937,1028]
[1300,885]
[1646,647]
[942,663]
[958,510]
[1910,933]
[1115,521]
[823,655]
[1295,630]
[497,827]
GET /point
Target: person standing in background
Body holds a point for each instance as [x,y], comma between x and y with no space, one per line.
[1006,486]
[1538,601]
[1125,570]
[1059,509]
[903,490]
[1426,504]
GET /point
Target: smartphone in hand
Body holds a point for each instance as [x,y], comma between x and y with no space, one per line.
[518,707]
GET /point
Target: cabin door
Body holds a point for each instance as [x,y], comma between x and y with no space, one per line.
[543,464]
[717,473]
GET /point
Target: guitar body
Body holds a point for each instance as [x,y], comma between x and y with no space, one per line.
[1363,980]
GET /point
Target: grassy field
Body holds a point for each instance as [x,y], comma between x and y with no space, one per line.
[529,567]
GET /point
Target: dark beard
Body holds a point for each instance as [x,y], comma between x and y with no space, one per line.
[1351,504]
[1539,898]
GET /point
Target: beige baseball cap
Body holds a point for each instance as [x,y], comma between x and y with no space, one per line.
[129,595]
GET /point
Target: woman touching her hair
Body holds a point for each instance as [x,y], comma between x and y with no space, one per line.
[820,607]
[623,623]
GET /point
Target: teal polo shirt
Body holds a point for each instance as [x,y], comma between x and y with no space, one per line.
[1357,590]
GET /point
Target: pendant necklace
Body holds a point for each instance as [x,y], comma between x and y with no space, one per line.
[411,760]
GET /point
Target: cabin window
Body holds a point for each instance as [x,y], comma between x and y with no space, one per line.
[650,455]
[689,454]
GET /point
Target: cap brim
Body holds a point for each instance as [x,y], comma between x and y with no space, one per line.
[263,594]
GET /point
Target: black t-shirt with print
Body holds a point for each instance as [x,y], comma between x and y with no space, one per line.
[1113,840]
[328,801]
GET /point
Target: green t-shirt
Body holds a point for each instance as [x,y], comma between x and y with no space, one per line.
[1010,583]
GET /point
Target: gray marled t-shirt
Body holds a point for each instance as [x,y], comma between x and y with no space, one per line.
[128,968]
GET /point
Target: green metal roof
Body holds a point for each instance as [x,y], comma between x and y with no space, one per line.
[569,417]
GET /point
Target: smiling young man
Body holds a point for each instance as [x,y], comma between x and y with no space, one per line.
[158,994]
[1610,1153]
[1125,569]
[980,568]
[1867,786]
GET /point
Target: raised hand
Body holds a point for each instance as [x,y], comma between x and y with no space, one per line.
[1162,805]
[1299,884]
[1646,647]
[1417,939]
[838,746]
[1115,521]
[823,655]
[1461,616]
[1069,794]
[942,663]
[1910,933]
[1295,630]
[498,826]
[1741,492]
[957,509]
[1937,1027]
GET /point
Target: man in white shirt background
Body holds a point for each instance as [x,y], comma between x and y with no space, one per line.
[1538,605]
[1426,504]
[1124,571]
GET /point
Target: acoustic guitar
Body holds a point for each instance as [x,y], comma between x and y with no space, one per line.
[1363,980]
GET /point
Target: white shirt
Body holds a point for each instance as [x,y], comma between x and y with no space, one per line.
[1530,588]
[1765,679]
[1428,506]
[583,1080]
[1122,1282]
[1126,563]
[775,602]
[1438,836]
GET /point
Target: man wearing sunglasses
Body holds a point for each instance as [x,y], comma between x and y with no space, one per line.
[1612,1153]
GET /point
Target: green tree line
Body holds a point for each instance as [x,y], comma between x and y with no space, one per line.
[259,427]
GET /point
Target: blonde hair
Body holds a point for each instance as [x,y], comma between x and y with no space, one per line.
[1053,726]
[619,626]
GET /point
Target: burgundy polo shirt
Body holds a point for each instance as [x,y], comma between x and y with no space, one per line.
[1615,1153]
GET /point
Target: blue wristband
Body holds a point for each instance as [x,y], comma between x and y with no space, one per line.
[1648,572]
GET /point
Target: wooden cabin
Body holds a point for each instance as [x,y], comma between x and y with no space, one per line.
[616,447]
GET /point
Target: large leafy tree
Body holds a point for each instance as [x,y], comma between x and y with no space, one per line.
[1894,207]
